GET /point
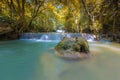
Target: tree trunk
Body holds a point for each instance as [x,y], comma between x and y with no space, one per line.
[86,9]
[81,30]
[36,10]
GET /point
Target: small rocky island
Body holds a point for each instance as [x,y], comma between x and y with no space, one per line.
[73,48]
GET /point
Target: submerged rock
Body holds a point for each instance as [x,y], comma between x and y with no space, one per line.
[73,48]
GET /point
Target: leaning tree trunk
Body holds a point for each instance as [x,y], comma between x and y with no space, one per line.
[36,10]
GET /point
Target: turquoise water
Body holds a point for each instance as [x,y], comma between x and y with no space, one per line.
[31,60]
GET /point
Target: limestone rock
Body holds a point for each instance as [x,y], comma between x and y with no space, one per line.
[72,47]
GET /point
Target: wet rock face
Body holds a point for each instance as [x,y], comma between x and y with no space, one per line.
[72,46]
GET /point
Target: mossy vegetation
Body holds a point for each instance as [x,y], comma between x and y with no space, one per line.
[72,45]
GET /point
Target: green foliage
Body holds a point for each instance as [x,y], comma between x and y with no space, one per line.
[5,19]
[82,45]
[78,45]
[71,15]
[65,44]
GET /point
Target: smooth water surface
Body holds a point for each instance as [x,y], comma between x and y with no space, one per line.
[34,60]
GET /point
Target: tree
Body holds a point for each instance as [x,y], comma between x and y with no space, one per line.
[93,10]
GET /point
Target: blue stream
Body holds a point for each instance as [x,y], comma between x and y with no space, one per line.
[35,60]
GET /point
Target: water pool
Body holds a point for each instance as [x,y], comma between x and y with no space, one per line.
[35,60]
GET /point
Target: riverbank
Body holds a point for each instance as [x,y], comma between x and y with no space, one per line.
[10,35]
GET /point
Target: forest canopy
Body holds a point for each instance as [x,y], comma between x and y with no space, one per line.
[90,16]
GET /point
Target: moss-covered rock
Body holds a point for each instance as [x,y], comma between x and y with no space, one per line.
[73,46]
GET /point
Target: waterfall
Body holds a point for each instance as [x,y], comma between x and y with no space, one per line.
[48,37]
[30,36]
[44,37]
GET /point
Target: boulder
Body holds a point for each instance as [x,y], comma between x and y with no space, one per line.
[73,48]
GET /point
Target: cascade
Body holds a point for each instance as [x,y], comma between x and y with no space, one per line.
[53,36]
